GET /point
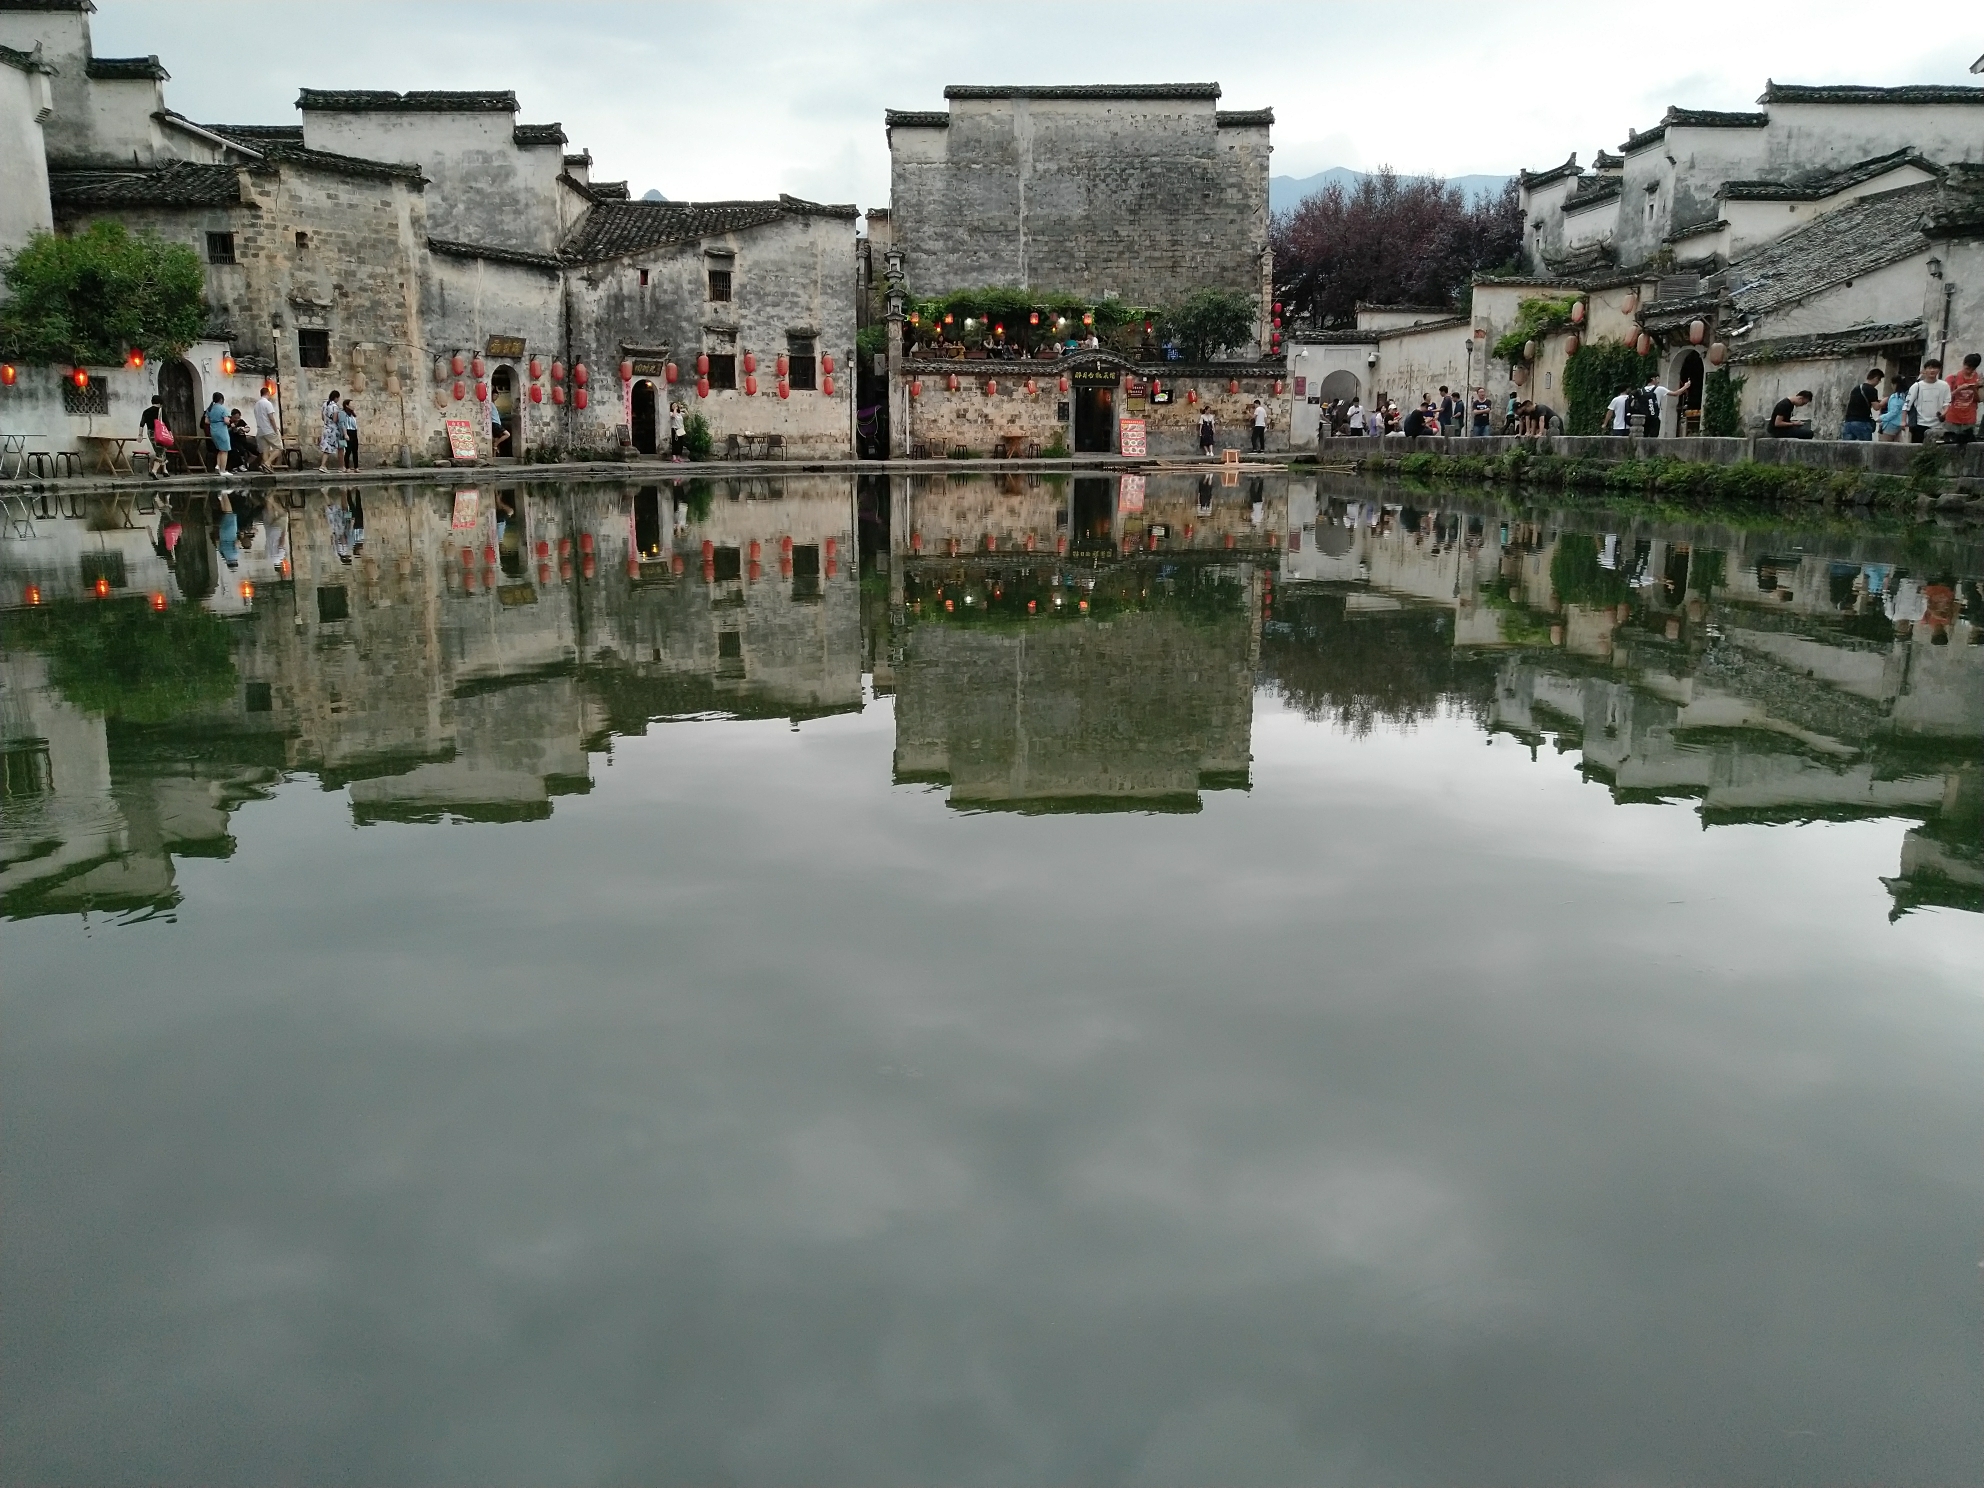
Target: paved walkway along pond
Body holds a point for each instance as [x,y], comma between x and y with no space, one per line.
[991,978]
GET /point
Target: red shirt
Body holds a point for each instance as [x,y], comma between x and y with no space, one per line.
[1963,398]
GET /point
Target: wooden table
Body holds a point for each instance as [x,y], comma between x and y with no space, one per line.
[113,452]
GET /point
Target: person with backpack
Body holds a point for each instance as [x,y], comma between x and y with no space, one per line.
[158,435]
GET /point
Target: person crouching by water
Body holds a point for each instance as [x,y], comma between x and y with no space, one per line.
[217,431]
[330,440]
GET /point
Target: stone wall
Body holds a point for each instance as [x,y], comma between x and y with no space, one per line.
[463,303]
[35,405]
[1144,197]
[26,98]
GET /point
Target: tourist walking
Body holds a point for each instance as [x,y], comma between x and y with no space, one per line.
[330,440]
[1206,431]
[1960,417]
[1260,427]
[217,432]
[348,423]
[268,437]
[1858,425]
[158,435]
[1923,410]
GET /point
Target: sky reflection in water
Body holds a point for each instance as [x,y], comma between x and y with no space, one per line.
[1298,1021]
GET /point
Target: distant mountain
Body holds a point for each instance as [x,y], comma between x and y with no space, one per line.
[1285,191]
[652,195]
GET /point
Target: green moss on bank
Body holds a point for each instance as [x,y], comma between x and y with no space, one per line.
[1680,479]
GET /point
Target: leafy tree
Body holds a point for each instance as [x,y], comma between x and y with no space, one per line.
[1389,240]
[92,297]
[1211,321]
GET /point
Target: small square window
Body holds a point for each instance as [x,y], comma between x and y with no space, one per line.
[333,604]
[303,240]
[220,248]
[313,348]
[723,370]
[260,698]
[719,284]
[799,354]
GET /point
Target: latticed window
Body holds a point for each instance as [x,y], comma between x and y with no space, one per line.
[84,401]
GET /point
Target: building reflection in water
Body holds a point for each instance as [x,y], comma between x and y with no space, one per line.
[1051,644]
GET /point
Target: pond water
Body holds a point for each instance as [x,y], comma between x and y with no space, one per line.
[988,981]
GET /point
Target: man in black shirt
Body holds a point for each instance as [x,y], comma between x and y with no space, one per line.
[1415,424]
[1860,405]
[1784,423]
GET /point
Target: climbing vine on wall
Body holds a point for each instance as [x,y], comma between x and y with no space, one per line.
[1722,404]
[1594,374]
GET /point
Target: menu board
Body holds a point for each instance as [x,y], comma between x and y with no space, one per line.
[1131,496]
[1132,431]
[461,439]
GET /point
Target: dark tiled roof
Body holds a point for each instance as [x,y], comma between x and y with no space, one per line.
[181,184]
[1557,173]
[583,159]
[122,69]
[276,145]
[1826,344]
[567,179]
[1604,160]
[25,61]
[1681,235]
[1829,183]
[1243,118]
[610,190]
[611,229]
[448,248]
[1591,258]
[917,118]
[1853,240]
[1682,118]
[381,101]
[256,134]
[1088,90]
[527,135]
[1858,93]
[1592,191]
[1958,208]
[1413,309]
[1638,141]
[58,6]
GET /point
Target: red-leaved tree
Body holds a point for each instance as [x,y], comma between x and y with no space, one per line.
[1389,240]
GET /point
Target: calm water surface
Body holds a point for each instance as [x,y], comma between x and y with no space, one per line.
[992,981]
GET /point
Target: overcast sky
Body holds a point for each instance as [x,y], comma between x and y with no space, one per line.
[708,101]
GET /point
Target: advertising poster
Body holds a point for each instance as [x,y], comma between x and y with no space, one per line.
[1133,436]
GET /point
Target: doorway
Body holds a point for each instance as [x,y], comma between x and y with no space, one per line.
[1092,528]
[645,417]
[503,398]
[179,395]
[1692,373]
[647,515]
[1095,418]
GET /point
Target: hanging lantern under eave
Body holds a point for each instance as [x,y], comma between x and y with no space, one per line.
[1717,354]
[1577,312]
[227,364]
[1697,331]
[458,364]
[1064,384]
[1277,387]
[1088,317]
[782,365]
[135,359]
[750,361]
[915,388]
[827,365]
[1631,304]
[1644,344]
[440,369]
[9,374]
[1031,389]
[1033,317]
[953,384]
[1571,344]
[475,367]
[1529,351]
[627,370]
[991,387]
[1233,386]
[703,365]
[669,373]
[1191,395]
[536,369]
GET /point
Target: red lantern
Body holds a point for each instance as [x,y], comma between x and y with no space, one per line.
[579,398]
[991,386]
[79,376]
[227,364]
[668,373]
[1191,395]
[558,396]
[1030,388]
[9,374]
[953,382]
[1697,331]
[536,369]
[460,392]
[457,364]
[580,375]
[1233,386]
[1717,353]
[702,387]
[785,388]
[1577,313]
[557,371]
[1277,387]
[1088,317]
[826,387]
[702,366]
[536,393]
[1033,317]
[1064,384]
[1571,344]
[827,362]
[626,370]
[475,366]
[135,360]
[482,392]
[1631,304]
[750,385]
[782,365]
[1277,322]
[750,361]
[1644,344]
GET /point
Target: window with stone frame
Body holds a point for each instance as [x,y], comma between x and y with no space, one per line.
[800,360]
[723,369]
[719,282]
[313,348]
[220,247]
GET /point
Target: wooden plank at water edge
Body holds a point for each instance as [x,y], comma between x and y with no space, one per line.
[1133,437]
